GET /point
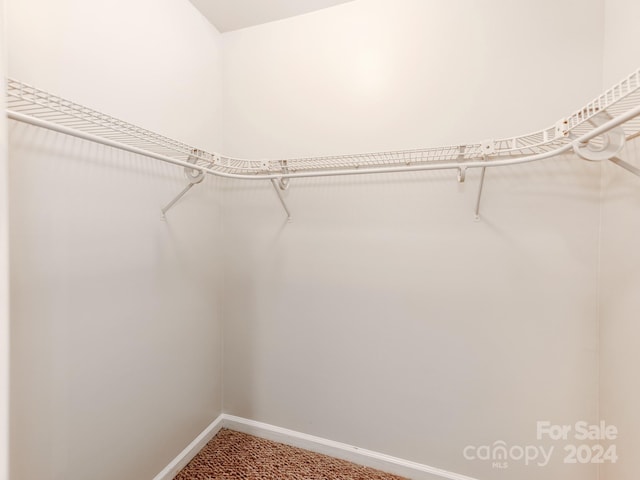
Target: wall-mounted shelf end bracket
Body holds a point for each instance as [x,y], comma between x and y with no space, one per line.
[611,144]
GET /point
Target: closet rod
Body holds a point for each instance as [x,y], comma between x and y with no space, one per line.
[436,165]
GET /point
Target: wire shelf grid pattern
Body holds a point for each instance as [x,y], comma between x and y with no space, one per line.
[27,100]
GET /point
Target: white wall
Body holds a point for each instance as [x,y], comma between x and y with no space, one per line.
[116,335]
[619,306]
[620,265]
[378,75]
[621,49]
[4,269]
[383,315]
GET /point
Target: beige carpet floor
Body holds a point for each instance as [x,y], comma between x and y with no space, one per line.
[238,456]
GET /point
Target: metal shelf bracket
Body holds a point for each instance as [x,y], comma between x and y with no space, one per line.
[626,165]
[479,197]
[194,175]
[595,132]
[610,145]
[283,182]
[277,187]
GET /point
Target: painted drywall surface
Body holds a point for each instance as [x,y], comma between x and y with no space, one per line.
[150,63]
[116,339]
[381,75]
[619,306]
[384,316]
[621,48]
[620,265]
[4,270]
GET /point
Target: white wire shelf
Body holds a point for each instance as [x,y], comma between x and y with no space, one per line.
[619,106]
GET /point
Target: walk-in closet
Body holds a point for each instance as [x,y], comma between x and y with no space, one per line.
[304,239]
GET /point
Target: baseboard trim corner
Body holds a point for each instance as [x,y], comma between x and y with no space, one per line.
[360,456]
[184,457]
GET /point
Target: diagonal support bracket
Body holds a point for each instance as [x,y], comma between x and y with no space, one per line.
[194,175]
[480,188]
[175,200]
[626,165]
[277,188]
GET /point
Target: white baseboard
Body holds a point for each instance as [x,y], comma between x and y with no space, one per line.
[360,456]
[184,457]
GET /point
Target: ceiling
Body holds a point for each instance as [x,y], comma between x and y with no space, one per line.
[228,15]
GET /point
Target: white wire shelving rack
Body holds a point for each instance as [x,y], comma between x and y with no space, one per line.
[596,132]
